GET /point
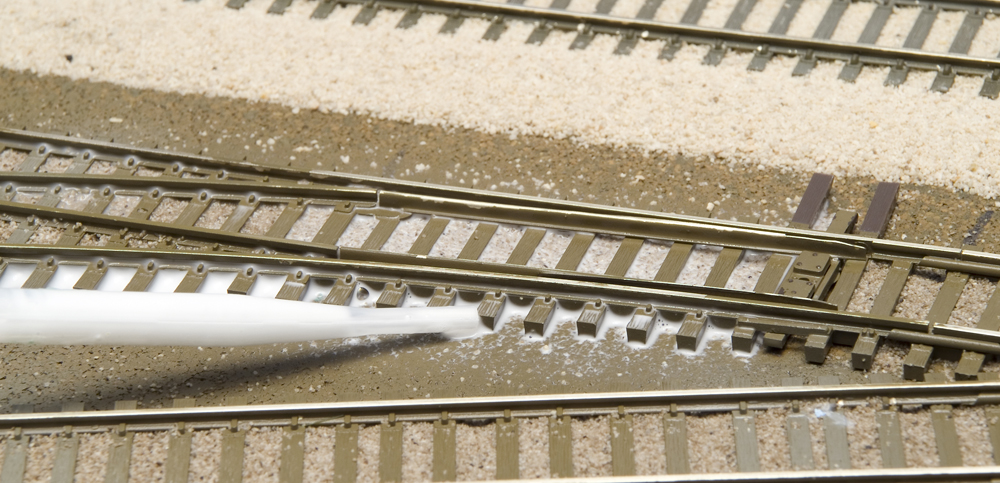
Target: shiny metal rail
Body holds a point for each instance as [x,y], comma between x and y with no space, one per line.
[855,54]
[677,409]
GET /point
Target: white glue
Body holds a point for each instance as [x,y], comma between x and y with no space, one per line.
[65,317]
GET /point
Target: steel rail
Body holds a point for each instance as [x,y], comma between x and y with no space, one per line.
[968,473]
[583,288]
[658,30]
[971,261]
[347,193]
[560,214]
[974,393]
[723,305]
[556,216]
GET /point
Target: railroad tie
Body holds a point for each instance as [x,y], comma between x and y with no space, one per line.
[879,210]
[674,262]
[392,295]
[744,338]
[735,22]
[286,220]
[41,275]
[293,287]
[428,236]
[35,159]
[574,253]
[640,327]
[64,461]
[691,16]
[478,241]
[381,233]
[323,9]
[835,429]
[946,435]
[991,85]
[498,26]
[798,432]
[231,459]
[844,221]
[490,307]
[583,38]
[148,201]
[624,257]
[917,360]
[817,347]
[345,451]
[367,13]
[646,12]
[850,277]
[192,212]
[335,225]
[947,298]
[120,449]
[773,273]
[507,441]
[15,457]
[444,465]
[542,30]
[81,162]
[244,208]
[690,334]
[279,7]
[869,35]
[892,288]
[539,316]
[342,291]
[890,436]
[823,31]
[143,276]
[591,318]
[969,366]
[745,428]
[914,40]
[622,444]
[863,353]
[243,282]
[729,258]
[23,232]
[442,297]
[799,439]
[990,318]
[993,422]
[179,447]
[945,77]
[560,445]
[390,450]
[675,441]
[292,458]
[526,246]
[812,201]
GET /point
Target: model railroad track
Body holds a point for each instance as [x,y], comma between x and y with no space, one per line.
[803,280]
[628,434]
[644,27]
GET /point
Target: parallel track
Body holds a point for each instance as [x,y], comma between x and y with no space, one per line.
[787,299]
[820,47]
